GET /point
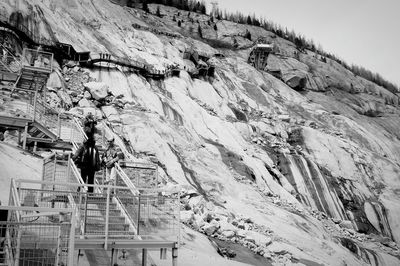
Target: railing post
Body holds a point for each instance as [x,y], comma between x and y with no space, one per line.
[35,105]
[68,169]
[107,217]
[138,216]
[59,125]
[54,168]
[71,244]
[85,217]
[25,136]
[175,256]
[58,253]
[144,257]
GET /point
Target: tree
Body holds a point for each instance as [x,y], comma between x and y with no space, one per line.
[249,22]
[145,7]
[200,31]
[158,12]
[203,9]
[247,35]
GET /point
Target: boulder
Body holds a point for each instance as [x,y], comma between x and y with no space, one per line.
[198,222]
[187,217]
[98,90]
[54,80]
[65,98]
[226,226]
[296,80]
[259,239]
[211,228]
[111,113]
[241,233]
[87,95]
[346,224]
[228,234]
[85,103]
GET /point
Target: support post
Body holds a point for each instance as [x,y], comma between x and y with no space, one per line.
[35,105]
[25,136]
[59,126]
[34,146]
[144,257]
[71,244]
[138,217]
[107,217]
[114,257]
[19,136]
[175,256]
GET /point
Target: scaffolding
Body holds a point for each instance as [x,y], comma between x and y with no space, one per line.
[259,55]
[35,235]
[111,217]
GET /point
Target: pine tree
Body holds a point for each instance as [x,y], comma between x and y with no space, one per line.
[249,22]
[145,7]
[200,31]
[158,12]
[248,35]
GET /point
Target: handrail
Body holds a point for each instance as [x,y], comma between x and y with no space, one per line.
[76,174]
[29,181]
[75,207]
[80,129]
[36,58]
[9,54]
[17,201]
[126,180]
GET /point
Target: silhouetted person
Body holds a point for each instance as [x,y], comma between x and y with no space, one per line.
[87,158]
[89,125]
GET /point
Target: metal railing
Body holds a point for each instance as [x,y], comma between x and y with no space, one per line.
[38,59]
[36,234]
[149,214]
[70,130]
[40,236]
[10,63]
[142,175]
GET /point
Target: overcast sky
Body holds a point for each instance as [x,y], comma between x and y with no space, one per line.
[362,32]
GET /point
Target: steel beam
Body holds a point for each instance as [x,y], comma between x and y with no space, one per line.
[123,244]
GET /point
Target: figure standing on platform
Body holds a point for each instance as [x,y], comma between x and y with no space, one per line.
[87,158]
[89,125]
[110,157]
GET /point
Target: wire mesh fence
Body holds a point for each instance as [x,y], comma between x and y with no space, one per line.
[10,63]
[18,102]
[38,59]
[46,240]
[108,212]
[142,175]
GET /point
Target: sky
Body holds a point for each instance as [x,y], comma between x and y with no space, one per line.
[362,32]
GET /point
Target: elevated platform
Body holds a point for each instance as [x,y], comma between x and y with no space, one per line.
[259,55]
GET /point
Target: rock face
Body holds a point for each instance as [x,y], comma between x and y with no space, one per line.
[271,167]
[98,90]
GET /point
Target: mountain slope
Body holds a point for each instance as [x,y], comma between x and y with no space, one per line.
[246,142]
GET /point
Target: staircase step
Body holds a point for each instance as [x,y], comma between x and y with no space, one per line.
[116,227]
[111,219]
[113,212]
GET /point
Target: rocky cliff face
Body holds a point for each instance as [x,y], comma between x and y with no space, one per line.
[307,176]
